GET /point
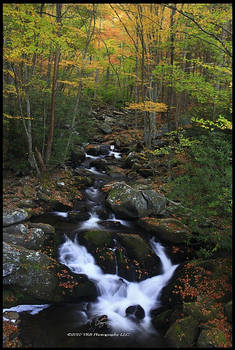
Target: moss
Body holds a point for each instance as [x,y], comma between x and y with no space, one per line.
[183,333]
[135,245]
[211,337]
[98,238]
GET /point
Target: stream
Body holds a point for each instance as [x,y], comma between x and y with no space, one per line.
[59,325]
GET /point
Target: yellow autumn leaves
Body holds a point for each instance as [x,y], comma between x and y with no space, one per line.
[148,106]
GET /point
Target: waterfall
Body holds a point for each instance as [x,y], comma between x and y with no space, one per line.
[116,294]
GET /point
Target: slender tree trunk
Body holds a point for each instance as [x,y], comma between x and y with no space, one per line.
[171,87]
[53,99]
[54,89]
[89,37]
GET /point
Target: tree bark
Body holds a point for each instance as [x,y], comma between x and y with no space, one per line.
[54,89]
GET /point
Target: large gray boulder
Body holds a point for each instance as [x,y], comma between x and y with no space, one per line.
[32,276]
[32,239]
[128,202]
[14,216]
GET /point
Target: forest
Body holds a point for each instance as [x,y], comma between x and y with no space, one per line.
[118,117]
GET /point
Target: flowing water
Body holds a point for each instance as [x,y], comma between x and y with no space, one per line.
[116,294]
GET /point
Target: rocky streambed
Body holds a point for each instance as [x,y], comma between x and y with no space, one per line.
[101,262]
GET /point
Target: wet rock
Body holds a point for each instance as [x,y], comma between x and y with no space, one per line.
[14,216]
[84,181]
[100,164]
[135,311]
[145,261]
[92,149]
[99,244]
[12,316]
[104,149]
[169,230]
[83,172]
[110,224]
[75,216]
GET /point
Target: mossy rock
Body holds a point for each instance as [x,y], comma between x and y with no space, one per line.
[83,181]
[161,321]
[32,276]
[100,244]
[211,338]
[169,230]
[145,262]
[126,202]
[183,333]
[199,311]
[96,238]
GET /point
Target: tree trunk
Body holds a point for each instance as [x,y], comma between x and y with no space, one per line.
[54,89]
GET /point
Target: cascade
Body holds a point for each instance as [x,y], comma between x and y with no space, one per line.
[116,294]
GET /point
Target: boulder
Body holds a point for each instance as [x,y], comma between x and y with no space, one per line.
[211,338]
[100,164]
[27,203]
[146,263]
[54,204]
[104,149]
[33,277]
[92,149]
[169,230]
[202,312]
[183,333]
[78,154]
[34,239]
[15,229]
[135,311]
[75,216]
[99,244]
[126,202]
[156,202]
[161,320]
[14,216]
[47,229]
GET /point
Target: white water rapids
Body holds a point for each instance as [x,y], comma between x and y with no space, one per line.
[116,294]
